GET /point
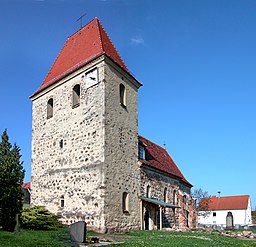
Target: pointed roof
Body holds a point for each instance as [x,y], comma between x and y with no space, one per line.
[226,202]
[157,157]
[82,47]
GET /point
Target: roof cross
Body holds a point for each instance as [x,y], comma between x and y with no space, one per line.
[81,19]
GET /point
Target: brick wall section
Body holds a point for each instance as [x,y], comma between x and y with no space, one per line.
[158,181]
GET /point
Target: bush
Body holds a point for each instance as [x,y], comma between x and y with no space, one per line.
[39,218]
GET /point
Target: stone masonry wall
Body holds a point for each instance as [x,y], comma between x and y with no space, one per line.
[121,151]
[158,182]
[74,172]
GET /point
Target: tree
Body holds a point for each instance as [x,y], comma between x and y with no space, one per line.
[11,179]
[202,202]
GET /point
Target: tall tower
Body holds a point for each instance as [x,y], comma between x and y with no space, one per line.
[84,135]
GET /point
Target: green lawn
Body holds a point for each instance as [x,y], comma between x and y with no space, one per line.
[169,239]
[60,238]
[30,238]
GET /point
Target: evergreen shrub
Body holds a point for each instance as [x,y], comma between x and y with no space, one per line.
[39,218]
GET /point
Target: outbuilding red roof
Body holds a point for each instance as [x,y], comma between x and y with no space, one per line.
[226,202]
[85,45]
[26,185]
[157,157]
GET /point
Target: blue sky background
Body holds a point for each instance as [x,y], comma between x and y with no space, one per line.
[196,60]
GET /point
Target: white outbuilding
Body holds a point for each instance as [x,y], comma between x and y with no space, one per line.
[226,211]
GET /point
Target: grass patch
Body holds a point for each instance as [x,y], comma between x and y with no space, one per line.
[60,238]
[32,238]
[176,239]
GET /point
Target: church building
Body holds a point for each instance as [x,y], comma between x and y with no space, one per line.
[88,161]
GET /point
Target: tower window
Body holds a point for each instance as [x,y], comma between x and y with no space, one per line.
[61,143]
[141,152]
[122,92]
[50,108]
[214,214]
[76,95]
[125,202]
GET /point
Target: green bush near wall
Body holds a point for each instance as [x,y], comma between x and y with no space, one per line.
[39,218]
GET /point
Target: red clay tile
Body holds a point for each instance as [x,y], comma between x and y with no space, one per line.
[85,45]
[26,185]
[227,202]
[158,157]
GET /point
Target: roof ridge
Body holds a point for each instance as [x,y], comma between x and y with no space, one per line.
[83,46]
[54,63]
[170,163]
[103,48]
[230,196]
[69,37]
[163,149]
[153,142]
[94,19]
[100,36]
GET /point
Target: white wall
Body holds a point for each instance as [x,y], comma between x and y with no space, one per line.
[240,217]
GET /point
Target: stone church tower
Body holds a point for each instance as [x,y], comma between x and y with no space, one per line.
[85,135]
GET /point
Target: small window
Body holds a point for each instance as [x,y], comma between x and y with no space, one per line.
[61,143]
[76,95]
[165,194]
[173,197]
[141,152]
[148,192]
[214,214]
[187,218]
[62,202]
[122,92]
[50,108]
[184,199]
[125,202]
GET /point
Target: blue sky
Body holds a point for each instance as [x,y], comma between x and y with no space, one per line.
[196,60]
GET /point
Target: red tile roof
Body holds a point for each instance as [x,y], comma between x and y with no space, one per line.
[26,185]
[158,157]
[227,202]
[82,47]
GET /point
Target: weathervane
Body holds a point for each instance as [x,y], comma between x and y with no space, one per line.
[81,19]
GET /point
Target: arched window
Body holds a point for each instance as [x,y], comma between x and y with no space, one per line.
[61,143]
[165,194]
[125,202]
[50,108]
[174,197]
[122,92]
[76,95]
[184,199]
[148,192]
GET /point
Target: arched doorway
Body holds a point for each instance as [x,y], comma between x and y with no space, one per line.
[146,220]
[229,221]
